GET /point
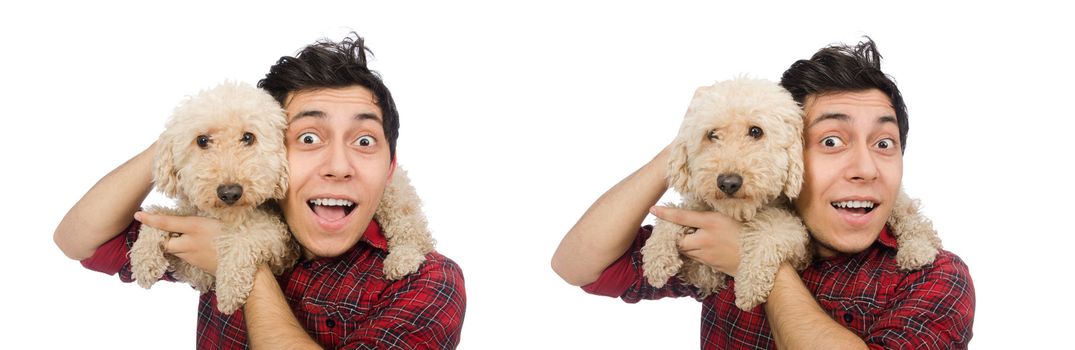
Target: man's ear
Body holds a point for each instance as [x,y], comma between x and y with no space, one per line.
[391,169]
[679,171]
[165,175]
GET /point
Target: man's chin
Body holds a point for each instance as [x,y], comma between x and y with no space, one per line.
[325,248]
[850,244]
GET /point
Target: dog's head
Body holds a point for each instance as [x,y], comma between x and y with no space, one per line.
[739,147]
[223,150]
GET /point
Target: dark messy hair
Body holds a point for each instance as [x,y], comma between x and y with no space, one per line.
[329,64]
[842,68]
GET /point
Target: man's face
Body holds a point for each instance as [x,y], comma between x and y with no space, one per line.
[339,163]
[853,168]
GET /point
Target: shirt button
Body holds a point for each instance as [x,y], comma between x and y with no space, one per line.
[330,323]
[848,318]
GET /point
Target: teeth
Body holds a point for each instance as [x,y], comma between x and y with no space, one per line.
[332,202]
[853,204]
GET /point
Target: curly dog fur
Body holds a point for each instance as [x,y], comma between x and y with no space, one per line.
[405,227]
[739,152]
[222,156]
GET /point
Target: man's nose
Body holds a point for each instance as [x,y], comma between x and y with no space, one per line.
[337,165]
[863,167]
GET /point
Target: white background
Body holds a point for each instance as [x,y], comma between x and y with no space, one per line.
[515,118]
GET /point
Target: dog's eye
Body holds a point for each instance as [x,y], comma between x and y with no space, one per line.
[309,138]
[202,141]
[365,141]
[832,141]
[756,132]
[713,135]
[248,138]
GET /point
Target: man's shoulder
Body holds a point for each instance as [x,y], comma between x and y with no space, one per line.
[949,266]
[438,280]
[947,275]
[437,269]
[440,265]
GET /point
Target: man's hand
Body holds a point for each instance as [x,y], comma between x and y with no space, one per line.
[192,238]
[714,243]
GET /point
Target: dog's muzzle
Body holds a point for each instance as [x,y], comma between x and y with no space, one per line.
[729,183]
[229,193]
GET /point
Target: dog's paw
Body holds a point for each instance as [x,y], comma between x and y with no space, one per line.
[658,268]
[227,304]
[750,292]
[148,273]
[147,268]
[754,280]
[231,296]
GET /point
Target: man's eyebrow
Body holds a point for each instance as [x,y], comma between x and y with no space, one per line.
[368,116]
[307,114]
[827,116]
[322,115]
[843,117]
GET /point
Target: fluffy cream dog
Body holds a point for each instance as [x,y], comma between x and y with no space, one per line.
[739,152]
[222,156]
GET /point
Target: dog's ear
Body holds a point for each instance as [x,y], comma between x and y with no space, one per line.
[794,182]
[165,175]
[679,171]
[281,182]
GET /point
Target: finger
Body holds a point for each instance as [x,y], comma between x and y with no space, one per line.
[681,217]
[691,242]
[170,223]
[172,242]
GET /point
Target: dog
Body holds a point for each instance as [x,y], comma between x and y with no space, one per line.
[739,152]
[222,156]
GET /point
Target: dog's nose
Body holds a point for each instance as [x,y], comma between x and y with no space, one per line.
[229,193]
[729,183]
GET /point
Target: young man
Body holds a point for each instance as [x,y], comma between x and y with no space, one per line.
[853,295]
[341,138]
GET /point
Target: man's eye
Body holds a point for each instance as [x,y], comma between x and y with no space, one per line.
[365,141]
[832,141]
[309,138]
[886,143]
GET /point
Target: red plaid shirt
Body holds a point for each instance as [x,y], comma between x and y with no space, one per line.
[342,302]
[932,308]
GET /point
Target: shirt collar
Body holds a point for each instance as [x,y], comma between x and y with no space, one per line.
[374,237]
[887,239]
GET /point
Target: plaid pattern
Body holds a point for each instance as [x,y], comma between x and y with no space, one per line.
[342,302]
[932,308]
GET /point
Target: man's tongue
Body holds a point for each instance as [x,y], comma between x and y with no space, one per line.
[330,212]
[856,211]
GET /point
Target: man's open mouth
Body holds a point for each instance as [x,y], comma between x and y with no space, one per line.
[857,207]
[331,209]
